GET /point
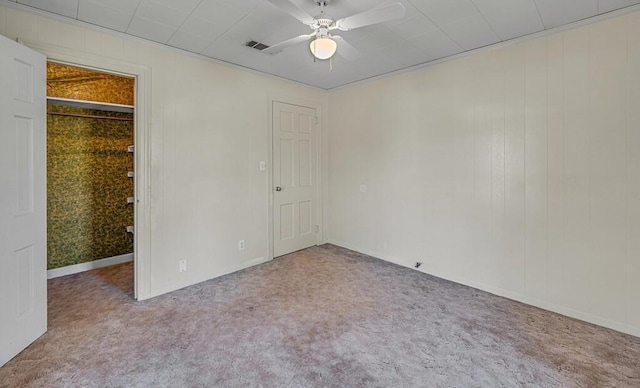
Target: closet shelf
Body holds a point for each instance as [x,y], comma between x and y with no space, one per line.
[105,106]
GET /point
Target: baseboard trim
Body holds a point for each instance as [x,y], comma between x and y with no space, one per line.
[76,268]
[208,276]
[545,305]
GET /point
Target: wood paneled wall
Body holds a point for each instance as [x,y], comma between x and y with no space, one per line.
[515,170]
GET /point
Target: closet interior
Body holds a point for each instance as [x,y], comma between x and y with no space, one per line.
[90,168]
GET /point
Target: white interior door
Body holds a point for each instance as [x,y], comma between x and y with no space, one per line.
[23,225]
[295,178]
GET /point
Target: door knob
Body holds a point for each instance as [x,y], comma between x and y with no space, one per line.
[278,188]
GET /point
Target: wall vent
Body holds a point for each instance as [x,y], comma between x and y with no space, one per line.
[256,45]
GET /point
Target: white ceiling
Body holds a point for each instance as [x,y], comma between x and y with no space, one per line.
[431,29]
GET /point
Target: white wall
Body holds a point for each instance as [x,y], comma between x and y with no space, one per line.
[515,170]
[209,131]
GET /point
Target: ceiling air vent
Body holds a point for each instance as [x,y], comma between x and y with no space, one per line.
[256,45]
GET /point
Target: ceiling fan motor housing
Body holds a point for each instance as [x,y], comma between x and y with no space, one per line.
[324,23]
[322,32]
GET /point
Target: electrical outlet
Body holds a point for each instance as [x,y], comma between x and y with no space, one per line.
[241,245]
[182,266]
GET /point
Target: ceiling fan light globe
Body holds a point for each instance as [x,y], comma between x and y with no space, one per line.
[323,47]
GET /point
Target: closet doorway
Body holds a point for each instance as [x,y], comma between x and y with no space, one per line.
[90,170]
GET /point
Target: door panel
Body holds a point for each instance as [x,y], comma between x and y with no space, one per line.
[306,175]
[23,133]
[23,266]
[306,123]
[286,225]
[305,217]
[287,160]
[295,173]
[24,80]
[286,121]
[24,263]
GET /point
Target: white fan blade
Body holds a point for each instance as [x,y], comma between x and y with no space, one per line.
[294,11]
[345,49]
[373,16]
[289,42]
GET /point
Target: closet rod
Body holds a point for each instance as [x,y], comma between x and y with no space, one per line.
[90,116]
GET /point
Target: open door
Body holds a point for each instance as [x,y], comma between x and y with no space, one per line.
[23,229]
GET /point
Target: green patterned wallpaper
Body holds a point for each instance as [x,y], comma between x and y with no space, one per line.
[82,84]
[87,184]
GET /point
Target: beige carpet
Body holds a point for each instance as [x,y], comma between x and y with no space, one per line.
[323,317]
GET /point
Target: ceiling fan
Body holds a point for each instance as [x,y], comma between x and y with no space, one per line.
[323,44]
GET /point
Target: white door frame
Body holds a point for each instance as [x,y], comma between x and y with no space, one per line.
[292,100]
[142,141]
